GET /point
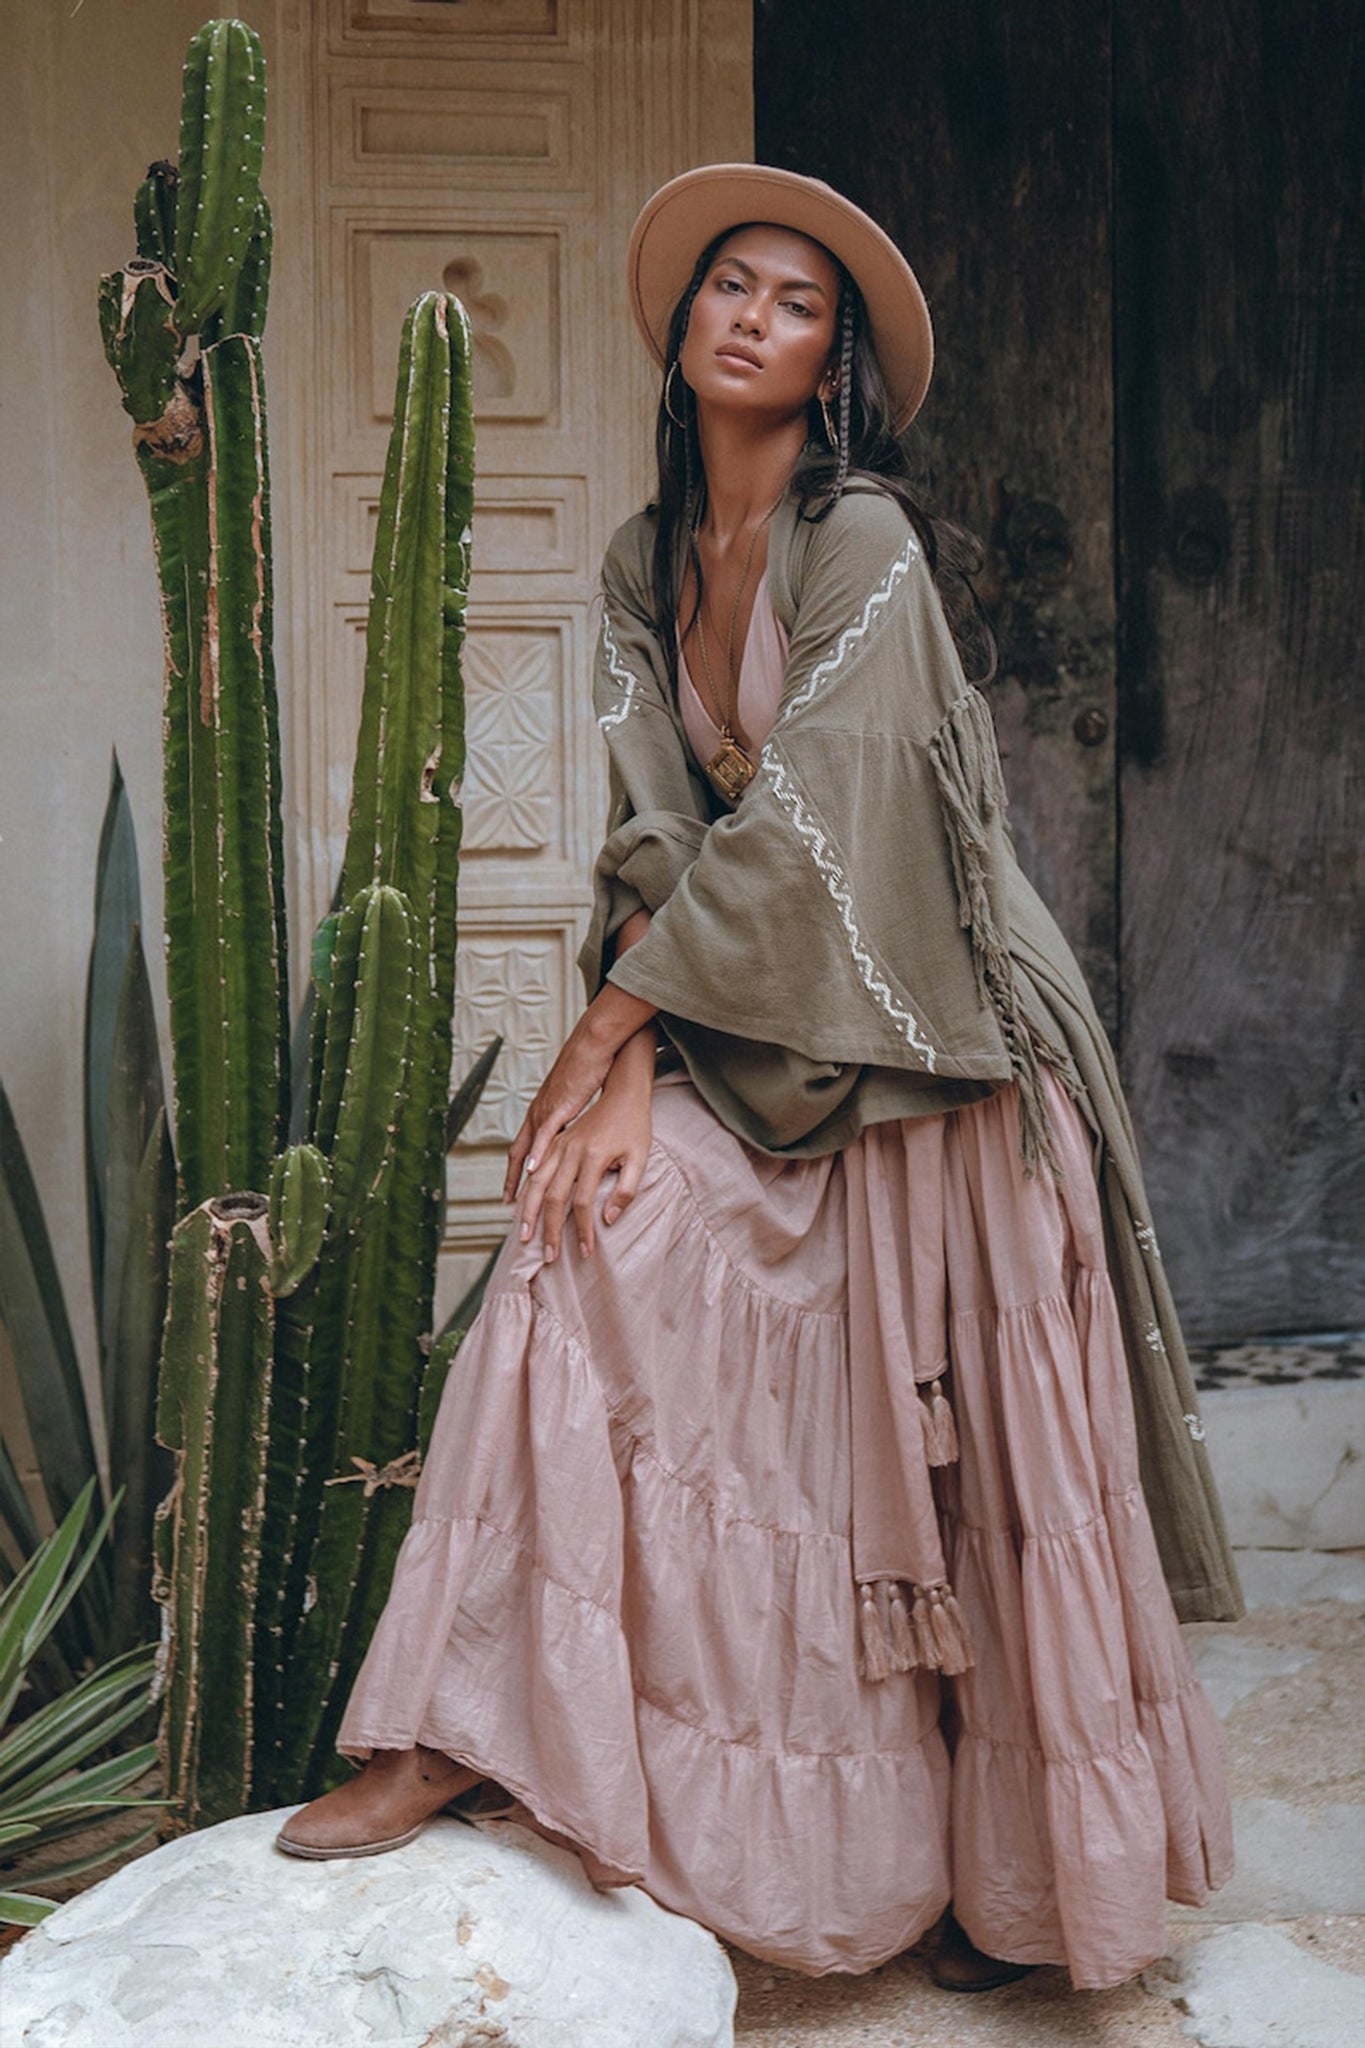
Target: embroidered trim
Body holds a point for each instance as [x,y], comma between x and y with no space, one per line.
[1151,1336]
[619,673]
[1195,1427]
[1146,1237]
[876,604]
[835,881]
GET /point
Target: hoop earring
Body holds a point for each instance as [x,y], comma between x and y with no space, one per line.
[830,435]
[668,395]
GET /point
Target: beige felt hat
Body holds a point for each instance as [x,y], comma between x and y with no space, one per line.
[683,216]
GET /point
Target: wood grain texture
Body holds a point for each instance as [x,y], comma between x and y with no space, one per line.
[1240,319]
[979,136]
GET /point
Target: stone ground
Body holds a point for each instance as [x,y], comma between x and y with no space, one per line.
[1290,1682]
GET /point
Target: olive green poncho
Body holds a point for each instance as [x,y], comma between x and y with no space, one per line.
[856,942]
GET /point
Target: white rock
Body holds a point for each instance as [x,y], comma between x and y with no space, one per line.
[1290,1464]
[1252,1987]
[1290,1861]
[465,1938]
[1231,1670]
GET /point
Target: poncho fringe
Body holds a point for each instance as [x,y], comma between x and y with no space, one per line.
[971,787]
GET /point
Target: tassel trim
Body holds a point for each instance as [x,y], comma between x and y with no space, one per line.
[929,1634]
[971,788]
[940,1430]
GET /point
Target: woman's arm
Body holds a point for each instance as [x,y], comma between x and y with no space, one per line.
[565,1166]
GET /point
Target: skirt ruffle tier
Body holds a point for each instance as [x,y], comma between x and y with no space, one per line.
[628,1592]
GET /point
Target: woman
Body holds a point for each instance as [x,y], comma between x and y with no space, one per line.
[781,1543]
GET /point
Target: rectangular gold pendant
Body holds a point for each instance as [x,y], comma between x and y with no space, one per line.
[731,771]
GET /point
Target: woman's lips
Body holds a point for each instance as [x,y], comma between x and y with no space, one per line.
[736,354]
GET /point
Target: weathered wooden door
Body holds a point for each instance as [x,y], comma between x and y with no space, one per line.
[1139,228]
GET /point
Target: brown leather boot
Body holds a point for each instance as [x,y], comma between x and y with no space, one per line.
[956,1964]
[381,1807]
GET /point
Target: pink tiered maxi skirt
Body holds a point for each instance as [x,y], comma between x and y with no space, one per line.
[627,1594]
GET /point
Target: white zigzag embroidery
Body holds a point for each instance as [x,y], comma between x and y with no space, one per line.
[875,605]
[835,881]
[620,674]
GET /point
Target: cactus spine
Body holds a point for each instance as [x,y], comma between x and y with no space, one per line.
[322,1386]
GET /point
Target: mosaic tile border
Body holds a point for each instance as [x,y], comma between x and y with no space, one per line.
[1279,1361]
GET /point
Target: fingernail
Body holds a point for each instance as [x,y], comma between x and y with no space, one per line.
[582,1249]
[551,1255]
[525,1232]
[531,1165]
[609,1216]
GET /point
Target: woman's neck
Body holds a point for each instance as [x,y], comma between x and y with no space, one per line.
[747,469]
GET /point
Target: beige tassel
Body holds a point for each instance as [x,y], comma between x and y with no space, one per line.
[876,1656]
[924,1634]
[949,1632]
[904,1648]
[940,1430]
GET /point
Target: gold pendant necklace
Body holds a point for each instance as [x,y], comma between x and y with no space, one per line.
[730,770]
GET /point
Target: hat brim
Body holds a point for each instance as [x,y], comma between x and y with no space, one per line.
[683,216]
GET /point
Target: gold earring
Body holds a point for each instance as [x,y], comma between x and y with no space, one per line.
[830,435]
[668,394]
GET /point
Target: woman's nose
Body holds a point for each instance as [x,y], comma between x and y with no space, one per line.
[747,319]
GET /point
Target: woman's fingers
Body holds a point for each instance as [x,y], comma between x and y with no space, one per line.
[630,1168]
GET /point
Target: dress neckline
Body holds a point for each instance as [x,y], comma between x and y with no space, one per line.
[684,669]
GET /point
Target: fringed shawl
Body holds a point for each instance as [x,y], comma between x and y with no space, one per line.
[854,942]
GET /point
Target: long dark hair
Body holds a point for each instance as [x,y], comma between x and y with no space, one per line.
[866,448]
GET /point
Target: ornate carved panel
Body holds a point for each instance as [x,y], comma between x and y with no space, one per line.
[451,136]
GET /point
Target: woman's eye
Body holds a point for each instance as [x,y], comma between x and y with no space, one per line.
[797,306]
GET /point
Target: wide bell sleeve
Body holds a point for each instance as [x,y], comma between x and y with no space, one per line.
[797,919]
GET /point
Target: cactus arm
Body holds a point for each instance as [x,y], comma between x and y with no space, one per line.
[377,1061]
[212,1412]
[222,142]
[243,310]
[299,1204]
[154,214]
[137,327]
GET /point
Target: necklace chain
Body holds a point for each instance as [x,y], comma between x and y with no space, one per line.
[731,682]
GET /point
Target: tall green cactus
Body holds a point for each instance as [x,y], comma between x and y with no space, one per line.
[194,386]
[323,1386]
[373,1311]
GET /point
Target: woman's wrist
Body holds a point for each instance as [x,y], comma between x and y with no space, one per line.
[633,1066]
[614,1016]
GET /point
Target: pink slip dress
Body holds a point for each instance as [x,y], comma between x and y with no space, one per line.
[627,1594]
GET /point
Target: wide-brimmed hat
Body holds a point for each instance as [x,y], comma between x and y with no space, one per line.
[683,216]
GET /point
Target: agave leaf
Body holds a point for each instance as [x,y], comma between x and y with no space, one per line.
[118,911]
[465,1310]
[14,1507]
[33,1309]
[135,1100]
[60,1735]
[465,1100]
[21,1909]
[34,1603]
[98,1788]
[57,1873]
[130,1369]
[15,1831]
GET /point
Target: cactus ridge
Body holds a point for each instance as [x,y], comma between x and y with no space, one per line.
[300,1203]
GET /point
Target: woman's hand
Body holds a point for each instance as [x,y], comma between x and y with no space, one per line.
[582,1067]
[613,1135]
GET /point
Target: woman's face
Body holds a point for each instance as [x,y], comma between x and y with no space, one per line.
[761,331]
